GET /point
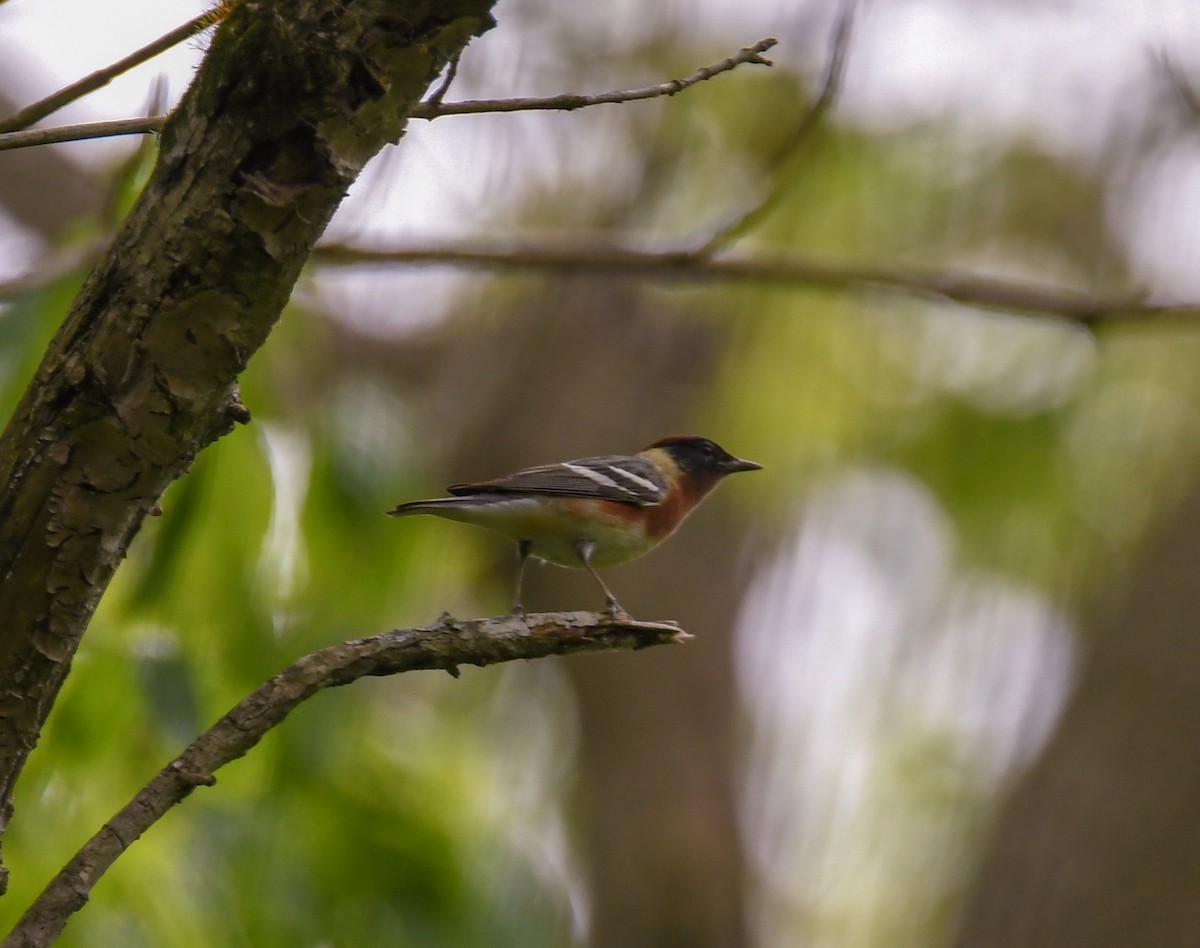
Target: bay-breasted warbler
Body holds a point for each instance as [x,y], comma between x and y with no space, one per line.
[591,512]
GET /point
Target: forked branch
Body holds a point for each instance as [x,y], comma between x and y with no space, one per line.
[102,77]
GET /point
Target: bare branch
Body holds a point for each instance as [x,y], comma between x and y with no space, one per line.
[570,101]
[430,109]
[84,131]
[102,77]
[968,289]
[831,85]
[450,643]
[439,93]
[1181,84]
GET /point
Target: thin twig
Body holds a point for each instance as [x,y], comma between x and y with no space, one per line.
[570,101]
[85,131]
[426,110]
[445,646]
[1181,84]
[101,77]
[444,86]
[968,289]
[831,85]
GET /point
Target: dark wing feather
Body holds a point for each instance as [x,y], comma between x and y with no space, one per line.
[626,480]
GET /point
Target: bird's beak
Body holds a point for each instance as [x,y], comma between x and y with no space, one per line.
[733,465]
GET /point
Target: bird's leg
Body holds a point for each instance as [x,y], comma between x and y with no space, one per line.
[523,553]
[585,548]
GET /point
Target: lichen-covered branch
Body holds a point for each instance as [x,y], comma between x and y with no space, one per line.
[289,105]
[450,643]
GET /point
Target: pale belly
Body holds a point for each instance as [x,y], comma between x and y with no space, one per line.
[554,530]
[610,546]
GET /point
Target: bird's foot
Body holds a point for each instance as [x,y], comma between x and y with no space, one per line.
[617,612]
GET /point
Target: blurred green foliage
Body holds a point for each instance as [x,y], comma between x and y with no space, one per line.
[377,815]
[425,811]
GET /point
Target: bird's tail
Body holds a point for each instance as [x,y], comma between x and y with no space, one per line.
[442,505]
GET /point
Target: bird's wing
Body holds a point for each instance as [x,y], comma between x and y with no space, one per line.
[627,480]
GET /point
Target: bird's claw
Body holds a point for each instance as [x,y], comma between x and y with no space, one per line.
[617,612]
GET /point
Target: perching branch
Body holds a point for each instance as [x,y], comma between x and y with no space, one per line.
[429,110]
[450,643]
[102,77]
[788,270]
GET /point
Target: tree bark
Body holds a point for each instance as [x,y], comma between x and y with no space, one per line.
[1100,844]
[291,102]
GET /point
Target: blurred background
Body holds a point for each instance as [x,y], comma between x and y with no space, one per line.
[945,686]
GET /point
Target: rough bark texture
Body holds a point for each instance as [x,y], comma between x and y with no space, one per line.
[1100,845]
[292,100]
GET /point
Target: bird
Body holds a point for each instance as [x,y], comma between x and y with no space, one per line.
[591,513]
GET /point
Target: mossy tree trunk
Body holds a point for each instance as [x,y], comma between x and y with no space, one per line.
[291,102]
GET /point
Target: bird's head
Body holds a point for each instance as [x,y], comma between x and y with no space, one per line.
[701,458]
